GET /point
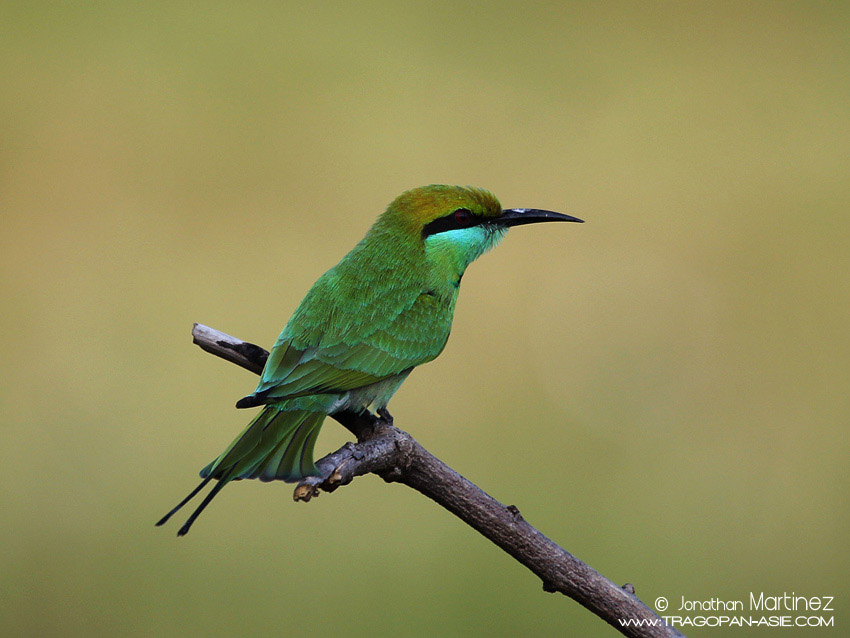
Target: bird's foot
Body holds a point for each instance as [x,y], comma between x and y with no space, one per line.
[385,415]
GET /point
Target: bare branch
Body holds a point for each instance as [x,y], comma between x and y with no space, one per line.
[242,353]
[396,456]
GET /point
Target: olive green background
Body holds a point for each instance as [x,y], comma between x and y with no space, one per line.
[662,390]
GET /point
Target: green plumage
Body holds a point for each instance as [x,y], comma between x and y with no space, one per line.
[386,308]
[277,445]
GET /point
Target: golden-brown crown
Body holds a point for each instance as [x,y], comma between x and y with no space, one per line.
[417,207]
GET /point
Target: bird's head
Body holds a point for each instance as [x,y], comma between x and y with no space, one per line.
[457,224]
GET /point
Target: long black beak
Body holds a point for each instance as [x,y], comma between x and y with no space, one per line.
[519,216]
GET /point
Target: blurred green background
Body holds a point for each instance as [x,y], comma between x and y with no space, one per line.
[663,390]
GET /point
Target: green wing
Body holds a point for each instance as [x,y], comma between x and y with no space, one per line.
[360,354]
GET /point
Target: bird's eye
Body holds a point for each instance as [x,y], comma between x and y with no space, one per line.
[455,220]
[463,216]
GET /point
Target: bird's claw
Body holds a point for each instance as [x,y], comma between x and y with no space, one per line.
[385,415]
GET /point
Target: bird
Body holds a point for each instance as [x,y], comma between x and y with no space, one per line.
[383,310]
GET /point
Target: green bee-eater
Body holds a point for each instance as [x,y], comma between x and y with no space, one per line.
[384,309]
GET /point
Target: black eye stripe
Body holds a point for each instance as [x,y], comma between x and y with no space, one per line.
[460,218]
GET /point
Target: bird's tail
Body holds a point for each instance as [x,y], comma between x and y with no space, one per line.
[277,445]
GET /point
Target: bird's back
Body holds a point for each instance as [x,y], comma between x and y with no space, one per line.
[368,318]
